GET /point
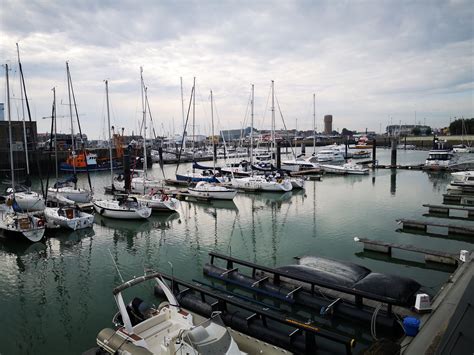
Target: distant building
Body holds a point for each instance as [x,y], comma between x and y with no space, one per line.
[328,124]
[17,136]
[2,111]
[232,134]
[406,130]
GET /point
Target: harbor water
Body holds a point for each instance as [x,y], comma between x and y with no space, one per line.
[56,295]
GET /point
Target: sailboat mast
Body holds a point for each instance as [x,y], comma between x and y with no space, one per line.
[314,123]
[251,129]
[144,127]
[23,114]
[182,102]
[273,117]
[213,143]
[194,112]
[10,130]
[55,138]
[110,136]
[73,147]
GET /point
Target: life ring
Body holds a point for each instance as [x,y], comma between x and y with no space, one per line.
[40,223]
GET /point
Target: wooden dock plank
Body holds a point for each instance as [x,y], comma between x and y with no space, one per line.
[430,255]
[412,224]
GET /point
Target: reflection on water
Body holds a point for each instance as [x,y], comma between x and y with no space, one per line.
[57,294]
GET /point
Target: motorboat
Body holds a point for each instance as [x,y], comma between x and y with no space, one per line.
[122,207]
[22,225]
[439,159]
[262,183]
[461,148]
[160,202]
[348,168]
[462,180]
[165,330]
[329,156]
[68,217]
[299,164]
[212,191]
[361,154]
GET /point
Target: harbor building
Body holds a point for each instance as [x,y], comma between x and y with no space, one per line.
[328,124]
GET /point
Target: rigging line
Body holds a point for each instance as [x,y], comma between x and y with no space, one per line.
[184,131]
[284,125]
[266,108]
[79,128]
[115,264]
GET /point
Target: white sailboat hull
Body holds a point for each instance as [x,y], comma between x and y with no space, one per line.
[217,194]
[23,225]
[159,203]
[76,195]
[75,220]
[29,201]
[113,209]
[261,184]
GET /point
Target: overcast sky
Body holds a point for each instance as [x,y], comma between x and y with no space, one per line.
[368,62]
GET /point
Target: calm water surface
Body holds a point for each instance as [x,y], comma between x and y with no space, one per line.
[56,295]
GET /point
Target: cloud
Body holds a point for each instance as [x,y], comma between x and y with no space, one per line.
[366,60]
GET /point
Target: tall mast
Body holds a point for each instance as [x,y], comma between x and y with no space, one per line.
[110,136]
[73,147]
[194,112]
[251,129]
[314,123]
[144,126]
[12,168]
[182,102]
[213,143]
[273,117]
[24,123]
[55,138]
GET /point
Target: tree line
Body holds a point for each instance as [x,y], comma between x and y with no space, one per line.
[456,127]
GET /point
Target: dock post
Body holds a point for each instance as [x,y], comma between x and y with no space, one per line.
[347,143]
[303,148]
[393,145]
[160,155]
[374,153]
[214,152]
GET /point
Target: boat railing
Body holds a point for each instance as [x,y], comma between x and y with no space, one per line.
[135,281]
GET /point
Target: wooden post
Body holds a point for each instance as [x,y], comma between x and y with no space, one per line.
[393,162]
[374,153]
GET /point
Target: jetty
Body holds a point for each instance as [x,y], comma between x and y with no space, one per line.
[423,226]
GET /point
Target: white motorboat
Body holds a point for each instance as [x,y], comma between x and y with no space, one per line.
[439,159]
[29,200]
[361,154]
[329,156]
[213,191]
[461,148]
[68,217]
[22,225]
[160,202]
[262,183]
[122,207]
[348,168]
[165,330]
[462,180]
[78,195]
[299,164]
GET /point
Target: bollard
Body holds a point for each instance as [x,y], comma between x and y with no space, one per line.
[374,153]
[393,162]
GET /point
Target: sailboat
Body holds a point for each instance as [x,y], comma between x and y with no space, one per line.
[67,217]
[122,206]
[65,189]
[150,189]
[13,223]
[26,199]
[275,183]
[211,190]
[193,176]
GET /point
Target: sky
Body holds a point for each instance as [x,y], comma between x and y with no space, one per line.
[369,63]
